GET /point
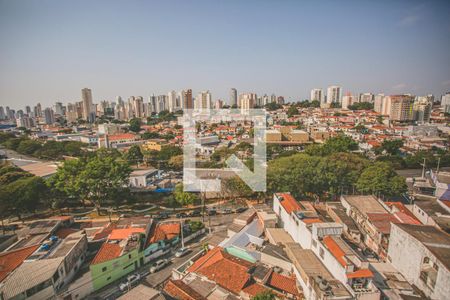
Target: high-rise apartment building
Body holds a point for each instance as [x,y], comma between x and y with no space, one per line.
[2,113]
[366,97]
[172,101]
[422,109]
[86,98]
[58,108]
[233,97]
[187,100]
[445,102]
[348,100]
[334,94]
[247,101]
[378,103]
[316,95]
[401,108]
[49,116]
[203,101]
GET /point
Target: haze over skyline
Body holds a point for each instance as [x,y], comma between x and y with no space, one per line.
[52,49]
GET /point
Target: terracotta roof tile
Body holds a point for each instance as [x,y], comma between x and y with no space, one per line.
[63,232]
[288,202]
[254,289]
[179,290]
[107,252]
[165,231]
[363,273]
[124,233]
[283,283]
[10,260]
[226,270]
[335,250]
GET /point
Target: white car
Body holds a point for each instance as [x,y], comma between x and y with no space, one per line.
[131,279]
[158,265]
[181,252]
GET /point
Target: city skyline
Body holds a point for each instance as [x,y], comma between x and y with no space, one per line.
[286,49]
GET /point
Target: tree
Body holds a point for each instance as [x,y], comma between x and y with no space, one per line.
[271,106]
[292,111]
[380,178]
[266,295]
[235,187]
[176,162]
[168,151]
[150,135]
[392,146]
[135,124]
[24,195]
[340,143]
[299,174]
[182,197]
[28,147]
[98,178]
[134,155]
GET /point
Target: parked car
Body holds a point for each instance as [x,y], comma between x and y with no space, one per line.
[212,212]
[181,252]
[158,265]
[181,215]
[163,215]
[240,209]
[194,213]
[131,279]
[226,211]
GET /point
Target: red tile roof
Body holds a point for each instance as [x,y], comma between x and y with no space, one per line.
[288,202]
[123,136]
[226,270]
[107,252]
[402,208]
[363,273]
[283,283]
[10,260]
[382,221]
[165,231]
[254,289]
[180,290]
[104,232]
[124,233]
[63,232]
[335,250]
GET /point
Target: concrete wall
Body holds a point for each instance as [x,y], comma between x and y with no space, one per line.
[409,265]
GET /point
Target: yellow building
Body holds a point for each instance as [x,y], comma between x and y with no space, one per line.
[154,145]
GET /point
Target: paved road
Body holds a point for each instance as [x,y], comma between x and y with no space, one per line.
[416,172]
[20,159]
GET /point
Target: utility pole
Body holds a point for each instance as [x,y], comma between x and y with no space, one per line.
[182,234]
[423,169]
[438,164]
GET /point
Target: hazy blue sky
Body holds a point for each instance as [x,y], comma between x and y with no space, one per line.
[50,50]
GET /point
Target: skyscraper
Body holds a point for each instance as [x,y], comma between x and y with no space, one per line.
[86,98]
[2,113]
[316,95]
[378,105]
[49,116]
[366,97]
[445,102]
[172,101]
[401,108]
[203,101]
[187,99]
[333,94]
[233,97]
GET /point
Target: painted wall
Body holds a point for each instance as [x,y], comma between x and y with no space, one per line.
[109,271]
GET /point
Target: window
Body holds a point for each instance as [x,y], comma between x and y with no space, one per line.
[55,276]
[104,269]
[129,256]
[435,266]
[321,253]
[426,260]
[314,243]
[423,276]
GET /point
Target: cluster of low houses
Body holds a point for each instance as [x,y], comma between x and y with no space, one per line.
[360,247]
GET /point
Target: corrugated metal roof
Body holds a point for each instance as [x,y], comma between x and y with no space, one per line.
[30,274]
